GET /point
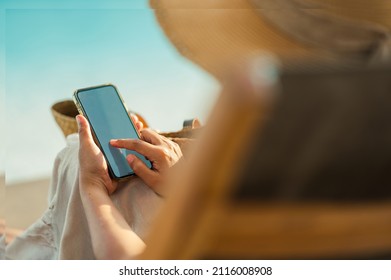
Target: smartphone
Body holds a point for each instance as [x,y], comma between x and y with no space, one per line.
[109,119]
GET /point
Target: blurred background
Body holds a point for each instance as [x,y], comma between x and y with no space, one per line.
[51,48]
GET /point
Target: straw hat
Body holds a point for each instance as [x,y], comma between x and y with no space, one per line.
[214,33]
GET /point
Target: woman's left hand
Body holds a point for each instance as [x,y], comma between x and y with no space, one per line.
[93,167]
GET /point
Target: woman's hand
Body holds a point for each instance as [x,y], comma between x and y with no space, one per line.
[93,167]
[160,151]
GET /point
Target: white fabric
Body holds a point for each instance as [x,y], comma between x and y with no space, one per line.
[2,246]
[62,232]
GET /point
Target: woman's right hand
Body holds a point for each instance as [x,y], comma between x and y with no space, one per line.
[159,150]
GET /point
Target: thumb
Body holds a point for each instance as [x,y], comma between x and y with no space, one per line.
[85,136]
[149,176]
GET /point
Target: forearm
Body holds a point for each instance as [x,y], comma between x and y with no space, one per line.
[111,236]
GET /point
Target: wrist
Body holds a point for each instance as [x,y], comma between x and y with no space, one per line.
[92,184]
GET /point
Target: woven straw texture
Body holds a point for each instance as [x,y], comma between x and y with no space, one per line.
[64,113]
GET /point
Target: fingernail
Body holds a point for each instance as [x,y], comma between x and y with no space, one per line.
[130,158]
[78,122]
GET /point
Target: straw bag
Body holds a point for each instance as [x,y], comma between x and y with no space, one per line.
[64,113]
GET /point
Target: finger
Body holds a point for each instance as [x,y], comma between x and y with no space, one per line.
[149,176]
[173,146]
[134,117]
[138,145]
[139,125]
[151,136]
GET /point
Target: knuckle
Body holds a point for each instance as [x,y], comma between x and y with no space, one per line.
[136,143]
[144,131]
[159,152]
[163,153]
[166,152]
[176,146]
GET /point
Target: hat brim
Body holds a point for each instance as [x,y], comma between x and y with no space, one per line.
[216,34]
[216,38]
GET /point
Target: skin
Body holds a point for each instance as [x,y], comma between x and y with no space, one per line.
[112,237]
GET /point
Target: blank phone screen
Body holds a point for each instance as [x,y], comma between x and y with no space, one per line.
[109,119]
